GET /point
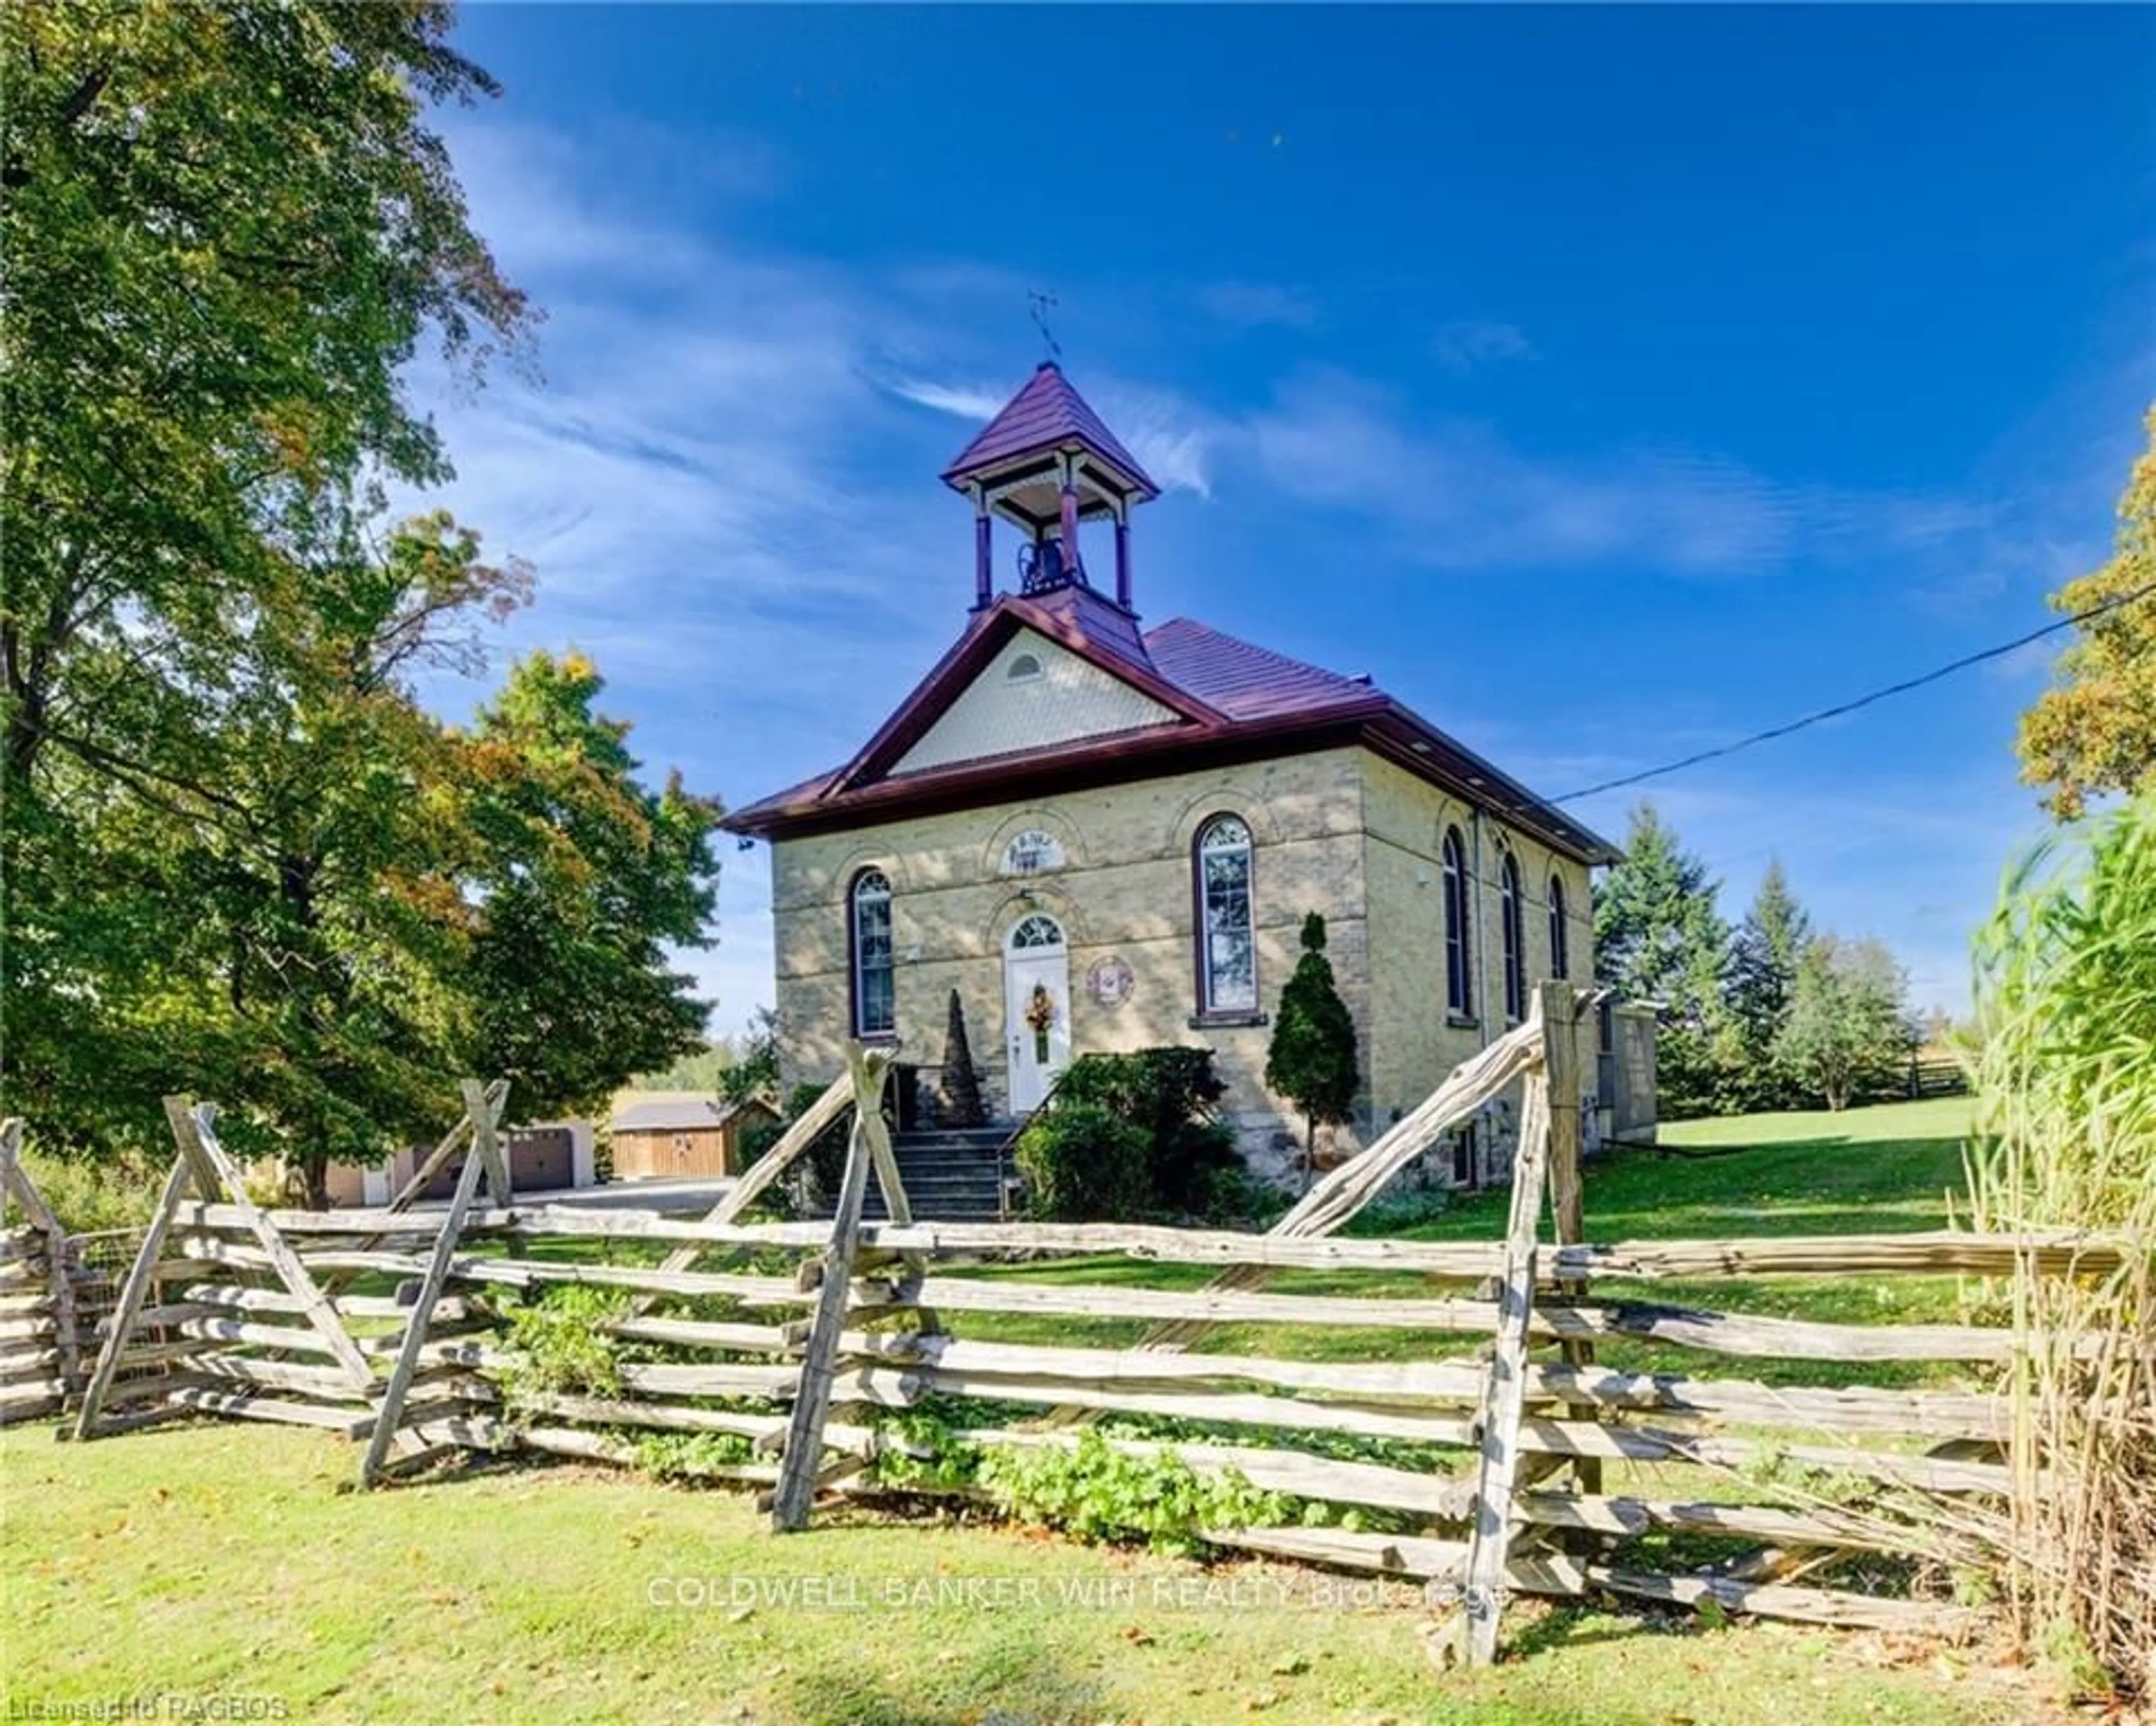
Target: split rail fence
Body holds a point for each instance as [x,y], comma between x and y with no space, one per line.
[1484,1456]
[52,1296]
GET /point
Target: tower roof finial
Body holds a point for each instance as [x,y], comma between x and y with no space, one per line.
[1039,302]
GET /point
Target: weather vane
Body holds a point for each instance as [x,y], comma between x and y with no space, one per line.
[1039,304]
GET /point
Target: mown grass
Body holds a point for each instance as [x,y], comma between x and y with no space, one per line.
[1883,1170]
[228,1560]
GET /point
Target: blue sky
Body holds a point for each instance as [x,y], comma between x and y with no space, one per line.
[1606,383]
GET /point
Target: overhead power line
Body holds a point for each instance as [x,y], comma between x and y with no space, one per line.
[1846,707]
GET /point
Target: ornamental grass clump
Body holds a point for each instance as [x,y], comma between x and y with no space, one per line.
[2065,1070]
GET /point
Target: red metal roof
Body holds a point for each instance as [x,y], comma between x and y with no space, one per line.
[1237,701]
[1047,414]
[1245,681]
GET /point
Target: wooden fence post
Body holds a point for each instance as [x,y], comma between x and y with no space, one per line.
[496,1095]
[15,1180]
[797,1464]
[481,1108]
[1505,1396]
[1562,1007]
[196,1131]
[120,1326]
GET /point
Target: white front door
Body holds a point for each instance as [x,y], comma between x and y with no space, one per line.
[1036,1008]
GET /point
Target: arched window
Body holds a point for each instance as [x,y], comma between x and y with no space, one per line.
[1560,935]
[1459,990]
[1513,927]
[1024,669]
[875,995]
[1227,943]
[1036,932]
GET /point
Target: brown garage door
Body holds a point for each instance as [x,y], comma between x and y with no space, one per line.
[542,1158]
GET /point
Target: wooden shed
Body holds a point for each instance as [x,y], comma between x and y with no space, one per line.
[681,1137]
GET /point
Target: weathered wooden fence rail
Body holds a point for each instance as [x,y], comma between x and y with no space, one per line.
[1500,1454]
[52,1298]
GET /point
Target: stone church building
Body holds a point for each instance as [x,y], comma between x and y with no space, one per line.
[1105,836]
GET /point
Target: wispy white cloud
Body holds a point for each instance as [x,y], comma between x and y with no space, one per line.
[691,484]
[964,400]
[1456,494]
[706,485]
[1252,305]
[1171,438]
[1469,343]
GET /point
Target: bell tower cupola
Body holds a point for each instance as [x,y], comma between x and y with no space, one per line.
[1045,464]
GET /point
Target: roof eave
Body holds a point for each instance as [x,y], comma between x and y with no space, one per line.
[1450,763]
[966,658]
[962,476]
[1145,753]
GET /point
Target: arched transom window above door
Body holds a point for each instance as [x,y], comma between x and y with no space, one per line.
[1036,932]
[1034,852]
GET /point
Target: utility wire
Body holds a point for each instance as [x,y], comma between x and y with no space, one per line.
[1862,701]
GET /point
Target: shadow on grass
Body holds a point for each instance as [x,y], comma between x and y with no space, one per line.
[1573,1627]
[1011,1683]
[1830,1184]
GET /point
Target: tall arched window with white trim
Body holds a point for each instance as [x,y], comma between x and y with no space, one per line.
[875,994]
[1227,936]
[1513,927]
[1560,935]
[1459,989]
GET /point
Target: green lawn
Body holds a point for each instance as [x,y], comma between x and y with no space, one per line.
[1873,1170]
[230,1561]
[1880,1170]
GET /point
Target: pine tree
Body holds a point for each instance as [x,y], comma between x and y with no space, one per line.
[1311,1061]
[1763,958]
[1658,937]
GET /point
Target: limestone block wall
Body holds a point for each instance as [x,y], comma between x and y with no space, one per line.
[1340,831]
[1414,1040]
[1124,893]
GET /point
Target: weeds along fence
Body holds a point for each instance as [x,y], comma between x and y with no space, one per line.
[1472,1415]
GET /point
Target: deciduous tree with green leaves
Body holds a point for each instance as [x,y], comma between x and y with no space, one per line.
[2094,730]
[240,859]
[753,1069]
[1848,1028]
[1312,1060]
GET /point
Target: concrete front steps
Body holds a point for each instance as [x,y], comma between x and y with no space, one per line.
[951,1174]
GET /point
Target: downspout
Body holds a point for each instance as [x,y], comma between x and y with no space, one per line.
[1481,928]
[1474,952]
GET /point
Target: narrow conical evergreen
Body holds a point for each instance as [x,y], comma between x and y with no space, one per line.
[961,1085]
[1311,1061]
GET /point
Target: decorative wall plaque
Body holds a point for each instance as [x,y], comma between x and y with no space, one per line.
[1109,981]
